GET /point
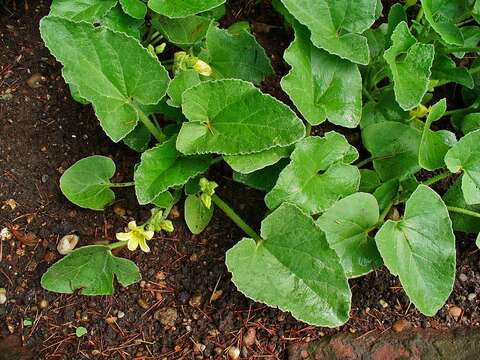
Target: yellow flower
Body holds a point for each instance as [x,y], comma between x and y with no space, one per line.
[137,235]
[202,68]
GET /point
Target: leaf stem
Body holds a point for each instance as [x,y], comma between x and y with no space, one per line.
[156,132]
[125,184]
[235,218]
[368,95]
[117,245]
[308,129]
[463,211]
[364,162]
[436,178]
[419,15]
[474,70]
[449,50]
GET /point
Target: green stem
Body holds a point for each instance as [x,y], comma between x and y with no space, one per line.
[117,245]
[419,15]
[463,211]
[125,184]
[456,111]
[308,129]
[235,218]
[156,132]
[461,49]
[364,162]
[474,70]
[368,95]
[436,178]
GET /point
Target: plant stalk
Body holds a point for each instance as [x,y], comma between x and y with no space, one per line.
[117,244]
[463,211]
[461,49]
[235,218]
[156,132]
[125,184]
[436,178]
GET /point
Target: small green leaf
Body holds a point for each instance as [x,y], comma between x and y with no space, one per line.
[318,174]
[346,225]
[232,117]
[161,168]
[454,197]
[80,331]
[410,63]
[386,193]
[81,10]
[445,70]
[369,181]
[384,109]
[321,85]
[249,163]
[293,269]
[182,8]
[138,139]
[181,82]
[87,182]
[469,123]
[394,147]
[465,156]
[90,269]
[135,8]
[263,179]
[183,32]
[110,69]
[118,21]
[197,216]
[442,16]
[396,15]
[236,56]
[420,249]
[27,322]
[163,200]
[432,146]
[336,25]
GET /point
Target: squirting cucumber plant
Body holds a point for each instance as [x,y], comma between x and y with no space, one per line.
[167,81]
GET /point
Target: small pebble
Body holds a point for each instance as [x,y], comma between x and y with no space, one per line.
[167,317]
[143,304]
[67,244]
[118,210]
[44,178]
[120,314]
[3,296]
[233,352]
[383,303]
[471,296]
[250,337]
[111,320]
[35,80]
[174,213]
[199,348]
[462,277]
[400,325]
[196,300]
[160,276]
[43,304]
[216,295]
[5,234]
[455,311]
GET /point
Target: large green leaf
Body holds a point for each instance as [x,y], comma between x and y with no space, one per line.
[81,10]
[135,8]
[442,15]
[320,84]
[184,31]
[293,269]
[249,163]
[346,225]
[318,174]
[236,56]
[182,8]
[197,216]
[263,179]
[394,147]
[111,70]
[90,269]
[465,156]
[420,249]
[181,82]
[87,182]
[162,168]
[432,146]
[454,197]
[336,25]
[232,117]
[410,63]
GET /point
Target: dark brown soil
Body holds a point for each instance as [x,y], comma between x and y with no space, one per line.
[43,131]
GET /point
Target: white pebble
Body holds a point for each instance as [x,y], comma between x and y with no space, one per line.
[3,296]
[5,234]
[471,296]
[463,277]
[67,244]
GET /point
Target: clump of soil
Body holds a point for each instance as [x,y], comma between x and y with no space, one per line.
[171,313]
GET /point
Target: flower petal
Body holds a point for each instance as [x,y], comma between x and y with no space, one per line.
[132,243]
[144,246]
[122,236]
[132,225]
[148,234]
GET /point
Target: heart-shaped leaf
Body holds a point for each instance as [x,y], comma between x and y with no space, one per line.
[335,27]
[135,8]
[111,70]
[410,63]
[318,174]
[163,167]
[346,225]
[182,8]
[461,222]
[183,32]
[81,10]
[197,215]
[293,268]
[87,182]
[320,84]
[232,117]
[90,269]
[442,16]
[181,82]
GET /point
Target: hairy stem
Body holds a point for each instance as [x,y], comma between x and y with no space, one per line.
[463,211]
[117,244]
[364,162]
[436,178]
[125,184]
[235,218]
[308,129]
[156,132]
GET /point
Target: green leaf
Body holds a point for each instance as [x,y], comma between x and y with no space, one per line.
[163,167]
[182,8]
[135,8]
[138,139]
[294,269]
[321,85]
[469,123]
[263,179]
[181,82]
[394,147]
[111,70]
[90,269]
[445,70]
[232,117]
[420,249]
[80,331]
[81,10]
[87,182]
[118,21]
[236,56]
[346,225]
[384,109]
[163,200]
[432,146]
[465,156]
[410,63]
[386,193]
[442,16]
[249,163]
[336,25]
[318,174]
[396,15]
[369,181]
[197,216]
[183,32]
[454,197]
